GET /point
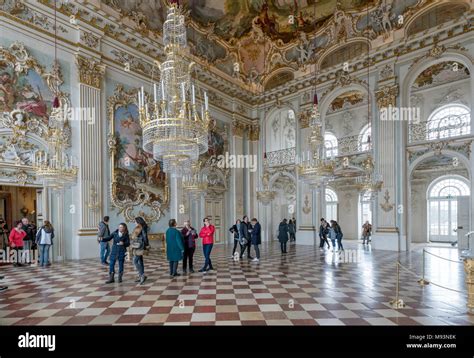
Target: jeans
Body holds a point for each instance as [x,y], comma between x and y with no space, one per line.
[114,256]
[257,251]
[339,242]
[139,265]
[333,241]
[188,257]
[246,246]
[173,268]
[26,251]
[283,246]
[104,251]
[207,248]
[292,237]
[365,238]
[43,254]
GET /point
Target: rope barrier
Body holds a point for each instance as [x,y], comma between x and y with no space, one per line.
[441,257]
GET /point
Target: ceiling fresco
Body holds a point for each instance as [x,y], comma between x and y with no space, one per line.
[252,41]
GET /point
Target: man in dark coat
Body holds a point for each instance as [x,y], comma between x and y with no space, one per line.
[256,238]
[283,235]
[245,234]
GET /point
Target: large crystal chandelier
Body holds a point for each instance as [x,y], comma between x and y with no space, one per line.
[54,167]
[314,167]
[173,129]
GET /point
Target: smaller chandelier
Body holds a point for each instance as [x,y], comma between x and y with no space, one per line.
[195,183]
[371,182]
[55,168]
[314,167]
[264,194]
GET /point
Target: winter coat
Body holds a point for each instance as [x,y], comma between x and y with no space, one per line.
[47,230]
[244,230]
[283,232]
[174,244]
[367,230]
[138,237]
[30,232]
[332,233]
[235,231]
[207,234]
[256,234]
[338,232]
[104,230]
[16,238]
[189,237]
[323,231]
[291,228]
[116,240]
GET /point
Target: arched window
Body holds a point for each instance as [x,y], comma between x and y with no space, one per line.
[330,142]
[443,207]
[365,134]
[331,204]
[448,121]
[365,209]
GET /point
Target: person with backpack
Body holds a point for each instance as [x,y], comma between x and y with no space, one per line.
[120,241]
[44,240]
[236,234]
[189,239]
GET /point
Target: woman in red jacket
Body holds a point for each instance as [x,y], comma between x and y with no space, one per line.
[207,235]
[16,240]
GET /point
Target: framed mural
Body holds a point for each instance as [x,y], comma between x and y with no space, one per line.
[27,90]
[138,185]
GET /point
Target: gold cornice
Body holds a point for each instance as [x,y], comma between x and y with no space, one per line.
[91,72]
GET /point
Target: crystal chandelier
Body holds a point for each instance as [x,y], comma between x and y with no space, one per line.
[173,129]
[195,183]
[371,182]
[264,194]
[55,168]
[313,167]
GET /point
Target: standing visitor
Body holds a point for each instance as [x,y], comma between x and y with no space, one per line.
[174,247]
[332,235]
[189,236]
[120,241]
[44,240]
[28,240]
[236,235]
[4,233]
[339,236]
[139,243]
[292,230]
[283,235]
[16,241]
[207,236]
[256,237]
[104,231]
[323,233]
[366,232]
[245,237]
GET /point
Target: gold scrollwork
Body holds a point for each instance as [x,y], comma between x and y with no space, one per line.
[139,195]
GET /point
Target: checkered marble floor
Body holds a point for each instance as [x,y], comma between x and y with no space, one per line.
[304,287]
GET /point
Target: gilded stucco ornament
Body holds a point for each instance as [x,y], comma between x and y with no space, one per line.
[131,194]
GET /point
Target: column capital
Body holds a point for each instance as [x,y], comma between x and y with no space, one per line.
[253,132]
[238,128]
[90,71]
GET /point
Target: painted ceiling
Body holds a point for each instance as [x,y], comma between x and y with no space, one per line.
[261,43]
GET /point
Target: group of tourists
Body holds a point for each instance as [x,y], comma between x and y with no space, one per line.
[286,232]
[180,246]
[332,231]
[247,234]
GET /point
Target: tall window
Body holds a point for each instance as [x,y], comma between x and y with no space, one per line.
[330,142]
[365,209]
[331,204]
[448,121]
[443,207]
[365,134]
